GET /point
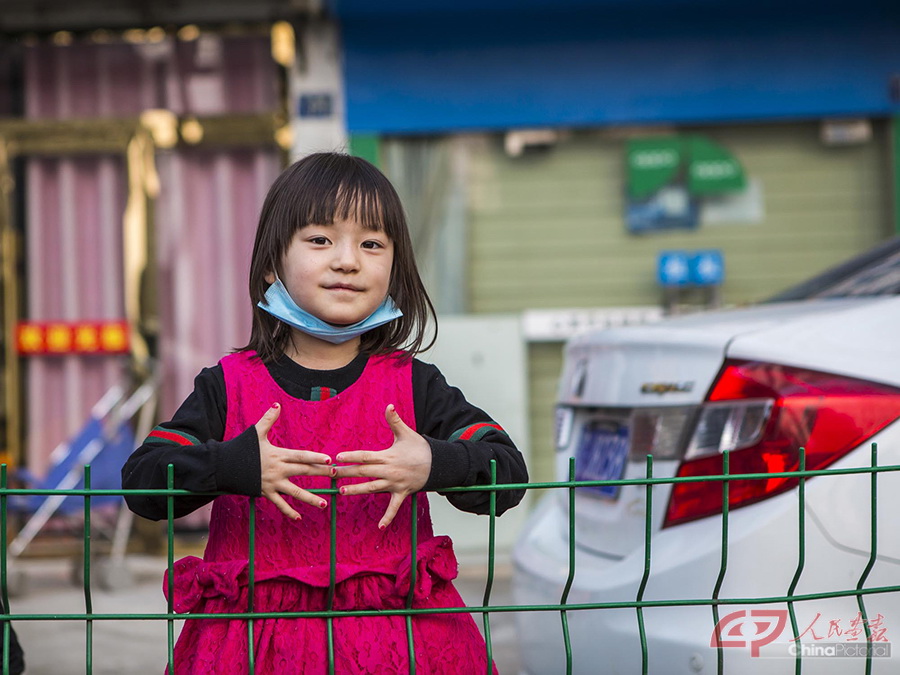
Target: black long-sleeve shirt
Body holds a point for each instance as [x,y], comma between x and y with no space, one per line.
[463,440]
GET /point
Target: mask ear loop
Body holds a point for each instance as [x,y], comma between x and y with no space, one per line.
[280,326]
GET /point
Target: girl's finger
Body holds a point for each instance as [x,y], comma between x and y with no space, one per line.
[361,457]
[366,488]
[392,509]
[268,420]
[398,426]
[306,497]
[360,471]
[306,457]
[282,506]
[291,469]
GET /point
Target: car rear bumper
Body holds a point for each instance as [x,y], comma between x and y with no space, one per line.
[686,561]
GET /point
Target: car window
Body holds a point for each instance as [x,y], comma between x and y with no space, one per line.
[876,272]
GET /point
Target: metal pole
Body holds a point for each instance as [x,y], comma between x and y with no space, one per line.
[12,407]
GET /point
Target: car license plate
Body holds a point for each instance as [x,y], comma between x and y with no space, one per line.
[601,455]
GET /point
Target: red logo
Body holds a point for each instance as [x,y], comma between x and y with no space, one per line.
[752,628]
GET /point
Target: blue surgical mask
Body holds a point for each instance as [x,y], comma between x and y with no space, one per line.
[281,305]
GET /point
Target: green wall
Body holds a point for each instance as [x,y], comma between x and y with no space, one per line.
[544,365]
[547,229]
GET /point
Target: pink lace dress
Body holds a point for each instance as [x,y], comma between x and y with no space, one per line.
[292,558]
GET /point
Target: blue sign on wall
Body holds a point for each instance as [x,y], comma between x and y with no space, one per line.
[673,268]
[707,268]
[315,105]
[694,268]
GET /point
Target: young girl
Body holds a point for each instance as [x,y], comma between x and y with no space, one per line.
[328,387]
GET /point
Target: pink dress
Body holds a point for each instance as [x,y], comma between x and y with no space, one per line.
[292,558]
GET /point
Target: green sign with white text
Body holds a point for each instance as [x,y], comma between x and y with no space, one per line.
[703,165]
[712,170]
[652,164]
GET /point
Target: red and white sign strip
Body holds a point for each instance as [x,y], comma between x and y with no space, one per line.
[72,337]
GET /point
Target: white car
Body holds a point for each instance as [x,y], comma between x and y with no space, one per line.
[818,368]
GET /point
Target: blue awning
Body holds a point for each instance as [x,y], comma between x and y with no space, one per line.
[423,67]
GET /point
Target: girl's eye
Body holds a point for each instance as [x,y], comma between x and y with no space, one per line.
[318,241]
[372,244]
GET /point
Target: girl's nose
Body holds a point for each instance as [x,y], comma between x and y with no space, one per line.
[346,257]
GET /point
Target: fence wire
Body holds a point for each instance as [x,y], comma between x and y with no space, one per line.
[486,609]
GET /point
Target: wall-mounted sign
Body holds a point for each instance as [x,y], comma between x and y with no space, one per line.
[673,268]
[558,325]
[690,268]
[652,164]
[72,337]
[704,166]
[670,207]
[711,169]
[315,105]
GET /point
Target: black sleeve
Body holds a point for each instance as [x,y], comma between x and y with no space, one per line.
[192,442]
[464,440]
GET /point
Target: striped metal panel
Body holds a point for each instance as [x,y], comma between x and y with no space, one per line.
[547,229]
[73,237]
[206,223]
[74,272]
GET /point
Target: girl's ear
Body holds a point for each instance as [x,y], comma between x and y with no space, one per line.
[270,277]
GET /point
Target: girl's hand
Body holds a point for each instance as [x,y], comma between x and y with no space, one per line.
[401,469]
[279,464]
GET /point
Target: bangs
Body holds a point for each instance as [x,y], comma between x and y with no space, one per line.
[344,188]
[347,203]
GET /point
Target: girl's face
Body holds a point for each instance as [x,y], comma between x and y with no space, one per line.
[340,273]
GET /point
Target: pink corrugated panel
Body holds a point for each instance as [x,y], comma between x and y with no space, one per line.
[205,218]
[206,222]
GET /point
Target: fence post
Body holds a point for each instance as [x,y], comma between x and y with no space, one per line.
[801,556]
[170,563]
[562,613]
[648,524]
[332,575]
[492,526]
[873,554]
[88,604]
[720,656]
[412,581]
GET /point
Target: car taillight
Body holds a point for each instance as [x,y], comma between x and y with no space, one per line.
[763,413]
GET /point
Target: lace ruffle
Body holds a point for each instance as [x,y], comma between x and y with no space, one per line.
[197,580]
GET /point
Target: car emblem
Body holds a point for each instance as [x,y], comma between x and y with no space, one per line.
[666,387]
[579,379]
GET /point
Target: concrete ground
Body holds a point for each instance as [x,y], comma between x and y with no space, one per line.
[122,647]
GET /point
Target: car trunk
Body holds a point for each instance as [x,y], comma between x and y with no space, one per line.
[627,393]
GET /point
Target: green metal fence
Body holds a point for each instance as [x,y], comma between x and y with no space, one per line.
[486,609]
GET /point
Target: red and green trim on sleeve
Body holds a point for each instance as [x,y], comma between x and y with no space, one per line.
[475,432]
[163,435]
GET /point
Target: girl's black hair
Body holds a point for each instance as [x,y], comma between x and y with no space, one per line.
[317,190]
